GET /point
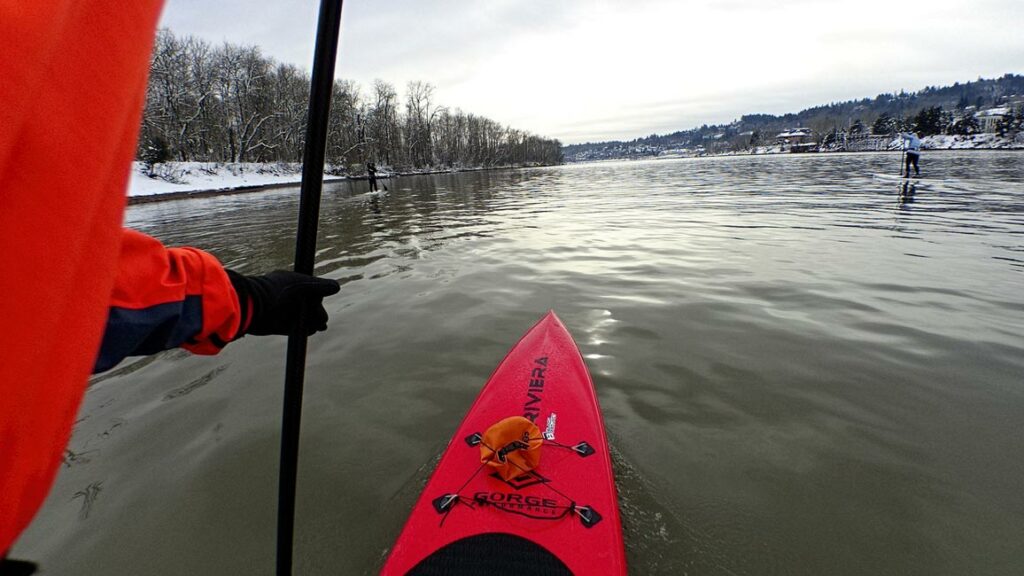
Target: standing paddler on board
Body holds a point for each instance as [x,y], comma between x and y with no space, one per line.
[371,175]
[912,149]
[80,292]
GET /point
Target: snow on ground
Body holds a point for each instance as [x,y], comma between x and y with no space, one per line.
[172,177]
[986,140]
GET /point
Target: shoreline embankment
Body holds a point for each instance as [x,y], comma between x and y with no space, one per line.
[182,180]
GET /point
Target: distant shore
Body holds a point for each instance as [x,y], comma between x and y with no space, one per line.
[924,151]
[984,141]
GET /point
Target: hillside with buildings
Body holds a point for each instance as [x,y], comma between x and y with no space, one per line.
[986,113]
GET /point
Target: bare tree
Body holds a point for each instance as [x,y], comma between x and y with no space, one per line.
[418,112]
[231,103]
[245,86]
[344,144]
[382,124]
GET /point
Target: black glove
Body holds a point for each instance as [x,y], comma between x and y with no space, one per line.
[276,300]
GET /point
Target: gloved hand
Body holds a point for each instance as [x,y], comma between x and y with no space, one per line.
[276,299]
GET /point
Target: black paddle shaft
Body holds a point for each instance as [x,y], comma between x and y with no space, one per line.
[325,54]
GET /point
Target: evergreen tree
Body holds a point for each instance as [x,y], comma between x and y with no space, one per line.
[1011,123]
[885,124]
[1004,125]
[154,150]
[966,125]
[929,121]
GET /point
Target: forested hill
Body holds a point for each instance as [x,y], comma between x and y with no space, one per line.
[932,110]
[230,103]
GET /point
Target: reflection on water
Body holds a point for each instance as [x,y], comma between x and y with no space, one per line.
[907,192]
[805,368]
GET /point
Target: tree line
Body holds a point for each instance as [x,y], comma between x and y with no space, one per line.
[229,103]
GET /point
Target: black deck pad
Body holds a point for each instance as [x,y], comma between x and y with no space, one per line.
[493,555]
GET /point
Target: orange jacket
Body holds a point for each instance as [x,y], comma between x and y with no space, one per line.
[72,87]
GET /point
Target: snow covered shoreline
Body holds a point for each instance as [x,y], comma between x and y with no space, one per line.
[938,142]
[170,180]
[980,142]
[984,141]
[176,180]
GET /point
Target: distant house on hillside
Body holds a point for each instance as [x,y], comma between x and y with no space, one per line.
[797,140]
[989,119]
[794,136]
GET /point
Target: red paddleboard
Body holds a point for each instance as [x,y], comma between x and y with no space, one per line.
[562,517]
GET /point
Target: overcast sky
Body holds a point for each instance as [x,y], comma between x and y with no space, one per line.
[587,70]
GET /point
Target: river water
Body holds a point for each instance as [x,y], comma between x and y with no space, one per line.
[804,368]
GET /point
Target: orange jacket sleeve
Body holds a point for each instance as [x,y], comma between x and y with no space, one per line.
[72,88]
[167,297]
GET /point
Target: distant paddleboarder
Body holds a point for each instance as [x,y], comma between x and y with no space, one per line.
[912,146]
[371,174]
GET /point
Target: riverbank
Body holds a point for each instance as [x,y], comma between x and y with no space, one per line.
[177,180]
[173,180]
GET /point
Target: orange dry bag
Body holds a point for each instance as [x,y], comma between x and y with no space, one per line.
[511,447]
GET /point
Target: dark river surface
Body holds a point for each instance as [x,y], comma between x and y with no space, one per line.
[803,369]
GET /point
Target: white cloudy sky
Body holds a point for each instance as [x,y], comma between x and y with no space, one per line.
[584,70]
